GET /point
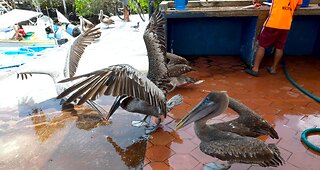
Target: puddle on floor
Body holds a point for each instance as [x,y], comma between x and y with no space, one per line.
[44,137]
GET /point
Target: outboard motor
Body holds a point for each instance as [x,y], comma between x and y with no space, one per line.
[62,41]
[48,30]
[73,30]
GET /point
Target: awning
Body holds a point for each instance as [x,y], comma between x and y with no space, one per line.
[15,16]
[62,18]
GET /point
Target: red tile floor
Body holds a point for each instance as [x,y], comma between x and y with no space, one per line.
[271,96]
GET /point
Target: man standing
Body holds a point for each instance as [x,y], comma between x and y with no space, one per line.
[125,10]
[275,32]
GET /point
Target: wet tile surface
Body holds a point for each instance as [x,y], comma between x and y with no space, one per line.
[44,137]
[271,96]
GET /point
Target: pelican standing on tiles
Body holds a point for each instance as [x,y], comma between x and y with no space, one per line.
[232,141]
[134,91]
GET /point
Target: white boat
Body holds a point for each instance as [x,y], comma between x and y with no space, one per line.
[14,53]
[35,32]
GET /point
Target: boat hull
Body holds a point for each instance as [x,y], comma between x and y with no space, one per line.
[16,43]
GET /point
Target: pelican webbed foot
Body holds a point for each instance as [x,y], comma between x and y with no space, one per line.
[153,128]
[216,166]
[139,123]
[150,128]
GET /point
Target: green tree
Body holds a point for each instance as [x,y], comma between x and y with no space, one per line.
[83,7]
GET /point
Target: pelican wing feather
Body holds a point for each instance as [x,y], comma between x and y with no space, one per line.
[178,69]
[175,59]
[236,148]
[154,38]
[248,123]
[78,47]
[116,80]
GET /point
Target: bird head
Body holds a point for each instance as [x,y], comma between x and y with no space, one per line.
[212,105]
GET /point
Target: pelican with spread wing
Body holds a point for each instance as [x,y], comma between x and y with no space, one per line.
[72,59]
[134,91]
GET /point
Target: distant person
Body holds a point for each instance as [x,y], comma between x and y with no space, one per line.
[20,33]
[274,32]
[125,10]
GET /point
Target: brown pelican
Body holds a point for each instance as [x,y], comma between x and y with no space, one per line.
[232,141]
[105,19]
[177,67]
[72,59]
[85,24]
[135,92]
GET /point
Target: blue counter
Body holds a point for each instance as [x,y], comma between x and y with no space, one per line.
[233,31]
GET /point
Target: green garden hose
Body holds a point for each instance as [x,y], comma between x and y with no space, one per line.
[305,140]
[297,86]
[305,132]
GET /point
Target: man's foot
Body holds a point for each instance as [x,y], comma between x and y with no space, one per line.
[251,72]
[271,71]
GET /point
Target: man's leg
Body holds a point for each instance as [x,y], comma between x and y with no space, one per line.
[277,56]
[280,42]
[126,13]
[259,57]
[266,39]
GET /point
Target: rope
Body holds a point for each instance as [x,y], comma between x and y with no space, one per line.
[18,65]
[305,140]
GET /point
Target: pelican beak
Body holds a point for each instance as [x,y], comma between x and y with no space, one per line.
[115,106]
[215,103]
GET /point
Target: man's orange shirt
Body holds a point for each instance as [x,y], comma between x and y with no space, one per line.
[281,13]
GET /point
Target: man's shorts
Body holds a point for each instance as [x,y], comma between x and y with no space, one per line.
[273,37]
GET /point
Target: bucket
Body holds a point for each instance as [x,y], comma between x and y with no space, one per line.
[180,4]
[58,34]
[28,35]
[73,30]
[305,3]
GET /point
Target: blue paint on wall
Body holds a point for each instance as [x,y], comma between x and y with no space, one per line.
[211,35]
[204,36]
[303,38]
[248,39]
[200,35]
[316,49]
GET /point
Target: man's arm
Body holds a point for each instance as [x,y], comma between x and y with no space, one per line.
[255,1]
[298,5]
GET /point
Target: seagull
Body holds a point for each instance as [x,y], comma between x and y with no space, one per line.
[233,141]
[136,27]
[134,91]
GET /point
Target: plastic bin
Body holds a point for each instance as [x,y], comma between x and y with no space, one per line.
[180,4]
[305,3]
[28,35]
